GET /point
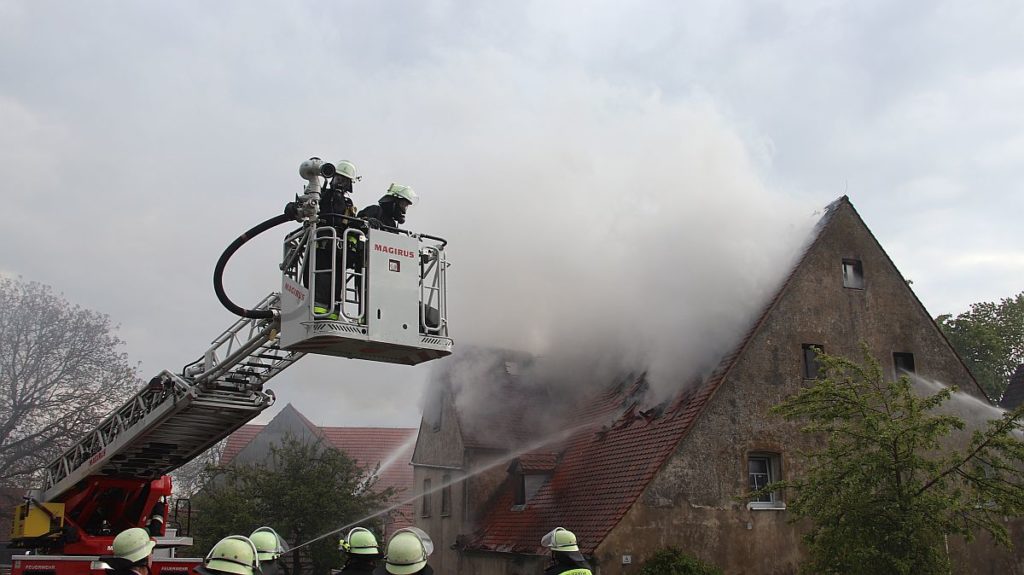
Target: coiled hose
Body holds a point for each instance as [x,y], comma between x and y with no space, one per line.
[218,271]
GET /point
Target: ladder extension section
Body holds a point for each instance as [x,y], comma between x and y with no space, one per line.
[178,416]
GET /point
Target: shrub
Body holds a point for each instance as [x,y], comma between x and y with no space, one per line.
[672,561]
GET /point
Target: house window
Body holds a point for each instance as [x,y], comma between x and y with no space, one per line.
[425,511]
[526,486]
[762,470]
[446,495]
[811,365]
[519,498]
[853,274]
[904,363]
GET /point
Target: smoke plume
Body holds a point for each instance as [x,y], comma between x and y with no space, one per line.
[602,229]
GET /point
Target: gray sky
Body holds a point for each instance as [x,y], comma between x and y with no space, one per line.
[604,172]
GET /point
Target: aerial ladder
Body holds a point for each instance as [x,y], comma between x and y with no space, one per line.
[387,304]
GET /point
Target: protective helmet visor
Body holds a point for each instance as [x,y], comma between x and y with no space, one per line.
[269,545]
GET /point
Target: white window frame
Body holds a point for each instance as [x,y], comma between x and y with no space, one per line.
[774,468]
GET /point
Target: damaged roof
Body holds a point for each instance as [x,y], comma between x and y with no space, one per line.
[605,468]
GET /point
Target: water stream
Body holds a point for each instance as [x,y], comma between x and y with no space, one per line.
[499,460]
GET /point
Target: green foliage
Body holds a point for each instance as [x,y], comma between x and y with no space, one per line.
[672,561]
[888,486]
[990,339]
[304,490]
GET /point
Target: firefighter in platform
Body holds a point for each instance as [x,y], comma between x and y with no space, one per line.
[133,553]
[336,207]
[361,551]
[233,555]
[389,211]
[566,558]
[269,548]
[407,553]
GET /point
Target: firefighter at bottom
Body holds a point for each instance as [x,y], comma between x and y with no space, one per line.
[361,551]
[269,548]
[233,555]
[407,553]
[133,553]
[566,558]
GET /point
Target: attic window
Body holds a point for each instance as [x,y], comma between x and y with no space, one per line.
[527,485]
[853,274]
[903,362]
[811,366]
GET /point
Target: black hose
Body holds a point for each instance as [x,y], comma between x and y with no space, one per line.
[218,271]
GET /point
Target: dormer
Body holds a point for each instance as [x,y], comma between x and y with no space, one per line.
[529,472]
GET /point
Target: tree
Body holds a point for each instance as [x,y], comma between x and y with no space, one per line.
[193,475]
[990,339]
[672,561]
[894,477]
[61,372]
[304,489]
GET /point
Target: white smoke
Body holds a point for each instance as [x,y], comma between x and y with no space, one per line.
[600,227]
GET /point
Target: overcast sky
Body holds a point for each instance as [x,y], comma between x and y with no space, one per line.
[544,138]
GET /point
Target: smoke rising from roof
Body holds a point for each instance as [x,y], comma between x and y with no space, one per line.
[605,230]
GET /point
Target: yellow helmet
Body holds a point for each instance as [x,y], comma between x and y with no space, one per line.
[269,545]
[360,541]
[234,554]
[407,551]
[560,539]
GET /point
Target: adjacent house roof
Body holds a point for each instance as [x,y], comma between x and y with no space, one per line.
[389,447]
[604,470]
[1014,394]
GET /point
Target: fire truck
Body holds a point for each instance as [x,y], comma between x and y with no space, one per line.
[387,303]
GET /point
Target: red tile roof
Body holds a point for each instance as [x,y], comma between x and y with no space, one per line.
[391,447]
[537,462]
[238,440]
[603,471]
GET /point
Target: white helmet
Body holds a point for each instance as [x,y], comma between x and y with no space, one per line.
[407,551]
[234,554]
[403,192]
[347,169]
[133,544]
[268,543]
[560,539]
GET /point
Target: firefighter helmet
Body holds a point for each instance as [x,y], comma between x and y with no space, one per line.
[133,544]
[268,543]
[234,554]
[402,192]
[407,551]
[360,541]
[347,169]
[560,539]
